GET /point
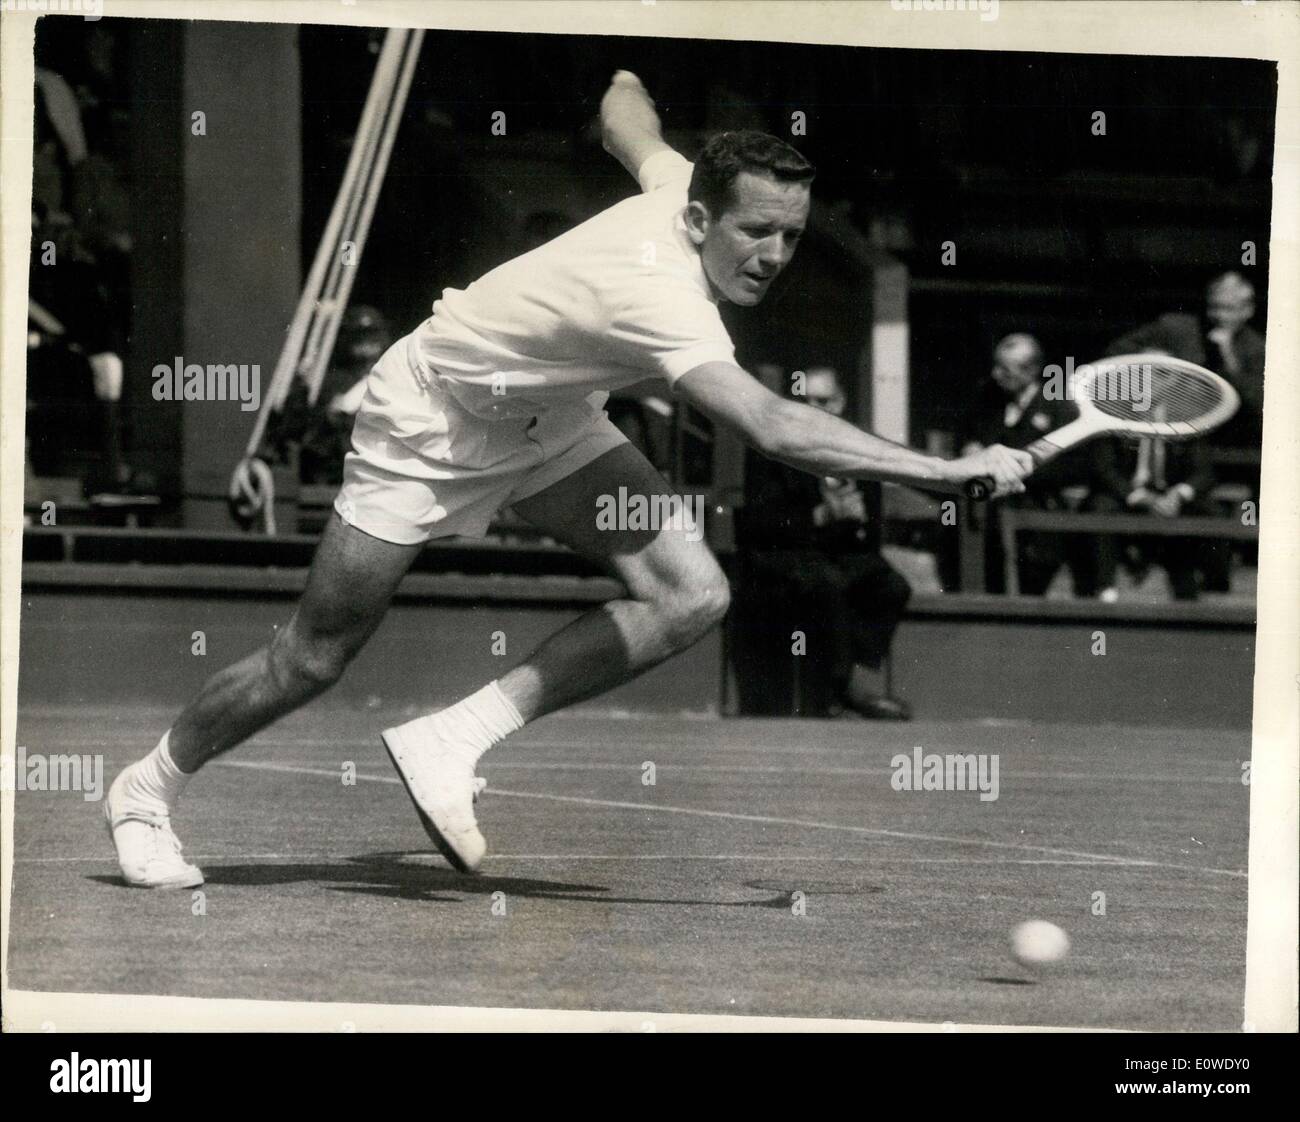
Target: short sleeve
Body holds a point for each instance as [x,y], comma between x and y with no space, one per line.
[664,169]
[666,326]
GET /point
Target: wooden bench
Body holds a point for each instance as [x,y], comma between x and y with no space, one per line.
[1015,520]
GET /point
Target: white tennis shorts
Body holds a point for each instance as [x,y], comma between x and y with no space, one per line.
[422,466]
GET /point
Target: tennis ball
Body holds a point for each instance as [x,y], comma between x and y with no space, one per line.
[1039,943]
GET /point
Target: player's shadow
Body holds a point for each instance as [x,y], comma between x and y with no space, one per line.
[401,876]
[401,881]
[997,981]
[436,881]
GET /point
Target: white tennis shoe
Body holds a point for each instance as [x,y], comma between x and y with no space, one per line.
[148,852]
[443,788]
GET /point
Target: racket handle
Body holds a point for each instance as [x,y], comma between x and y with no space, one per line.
[980,488]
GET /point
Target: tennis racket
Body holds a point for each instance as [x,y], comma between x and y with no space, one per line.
[1134,396]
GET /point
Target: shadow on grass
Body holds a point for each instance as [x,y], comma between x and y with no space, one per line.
[423,877]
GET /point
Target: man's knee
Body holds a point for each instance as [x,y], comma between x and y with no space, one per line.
[311,661]
[690,611]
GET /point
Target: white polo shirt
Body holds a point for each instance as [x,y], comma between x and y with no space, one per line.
[615,300]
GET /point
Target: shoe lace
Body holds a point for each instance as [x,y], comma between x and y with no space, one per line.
[165,841]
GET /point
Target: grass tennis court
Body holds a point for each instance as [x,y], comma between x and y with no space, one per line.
[678,896]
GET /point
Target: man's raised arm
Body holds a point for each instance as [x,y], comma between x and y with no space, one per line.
[629,125]
[822,444]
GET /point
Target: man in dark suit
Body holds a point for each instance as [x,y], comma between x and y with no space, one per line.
[1015,410]
[1222,340]
[816,542]
[1167,479]
[323,432]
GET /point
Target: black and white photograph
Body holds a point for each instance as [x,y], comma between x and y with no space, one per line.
[651,517]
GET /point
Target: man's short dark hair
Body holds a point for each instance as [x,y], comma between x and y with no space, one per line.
[727,154]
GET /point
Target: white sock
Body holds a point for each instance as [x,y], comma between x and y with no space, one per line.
[158,777]
[470,727]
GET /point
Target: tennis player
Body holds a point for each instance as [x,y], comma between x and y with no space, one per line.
[497,399]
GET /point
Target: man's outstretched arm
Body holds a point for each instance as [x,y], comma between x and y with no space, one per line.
[822,444]
[629,125]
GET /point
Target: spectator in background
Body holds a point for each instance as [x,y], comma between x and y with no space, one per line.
[1222,340]
[1015,412]
[646,420]
[323,432]
[818,540]
[1167,479]
[77,288]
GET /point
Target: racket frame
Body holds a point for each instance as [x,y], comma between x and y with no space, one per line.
[1092,422]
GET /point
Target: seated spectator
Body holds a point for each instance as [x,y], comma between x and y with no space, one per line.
[633,417]
[323,432]
[818,542]
[1167,479]
[77,286]
[1222,340]
[1015,412]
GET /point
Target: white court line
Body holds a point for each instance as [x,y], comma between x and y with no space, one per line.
[85,713]
[768,820]
[1230,778]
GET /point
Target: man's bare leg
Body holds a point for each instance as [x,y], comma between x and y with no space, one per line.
[676,592]
[352,579]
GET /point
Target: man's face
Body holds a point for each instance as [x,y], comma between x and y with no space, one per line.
[1228,311]
[823,391]
[1014,368]
[753,240]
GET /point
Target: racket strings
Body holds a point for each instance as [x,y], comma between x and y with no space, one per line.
[1153,392]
